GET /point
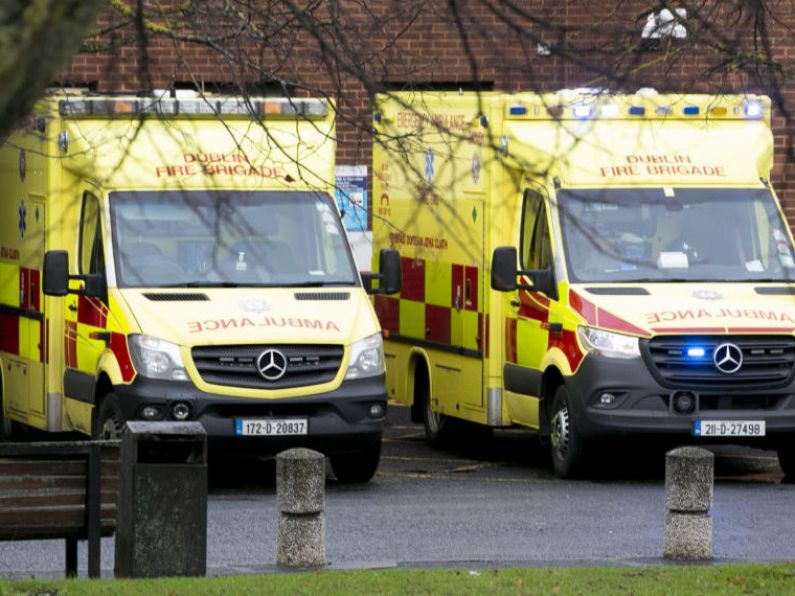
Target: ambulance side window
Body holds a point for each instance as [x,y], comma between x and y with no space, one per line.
[535,244]
[92,255]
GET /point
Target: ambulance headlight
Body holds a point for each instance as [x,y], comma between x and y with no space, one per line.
[367,358]
[156,358]
[605,343]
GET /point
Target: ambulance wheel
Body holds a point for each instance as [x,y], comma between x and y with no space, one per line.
[6,425]
[358,466]
[567,447]
[437,426]
[786,458]
[109,423]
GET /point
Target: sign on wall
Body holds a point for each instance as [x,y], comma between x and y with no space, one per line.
[352,196]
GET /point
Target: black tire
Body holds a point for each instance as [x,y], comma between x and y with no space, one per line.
[6,425]
[568,450]
[358,466]
[786,458]
[437,426]
[109,422]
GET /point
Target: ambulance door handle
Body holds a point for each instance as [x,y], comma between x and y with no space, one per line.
[515,302]
[72,307]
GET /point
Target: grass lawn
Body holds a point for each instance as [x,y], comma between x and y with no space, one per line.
[667,580]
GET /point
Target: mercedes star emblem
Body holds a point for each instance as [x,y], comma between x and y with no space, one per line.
[728,358]
[272,365]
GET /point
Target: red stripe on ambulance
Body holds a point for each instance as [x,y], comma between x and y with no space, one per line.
[599,317]
[29,288]
[584,307]
[437,323]
[483,328]
[413,279]
[388,311]
[9,333]
[510,341]
[610,321]
[566,342]
[70,344]
[118,345]
[534,306]
[91,311]
[471,288]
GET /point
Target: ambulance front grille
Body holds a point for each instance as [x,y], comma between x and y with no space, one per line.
[236,366]
[766,361]
[177,297]
[322,295]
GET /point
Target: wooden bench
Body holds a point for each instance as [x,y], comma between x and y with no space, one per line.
[63,489]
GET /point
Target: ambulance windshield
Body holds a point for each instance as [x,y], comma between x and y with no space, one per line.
[674,235]
[228,239]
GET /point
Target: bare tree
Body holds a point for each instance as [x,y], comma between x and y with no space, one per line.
[37,40]
[350,50]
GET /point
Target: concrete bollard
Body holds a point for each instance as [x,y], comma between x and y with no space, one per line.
[689,480]
[300,496]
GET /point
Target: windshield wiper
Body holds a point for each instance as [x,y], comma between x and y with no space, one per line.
[232,284]
[314,284]
[763,280]
[204,284]
[665,280]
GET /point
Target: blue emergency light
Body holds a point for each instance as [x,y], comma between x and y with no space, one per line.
[753,109]
[582,111]
[517,110]
[696,352]
[691,110]
[637,110]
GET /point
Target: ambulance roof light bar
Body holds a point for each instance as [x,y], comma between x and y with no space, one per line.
[210,106]
[585,107]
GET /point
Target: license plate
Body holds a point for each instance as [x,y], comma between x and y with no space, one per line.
[729,428]
[271,427]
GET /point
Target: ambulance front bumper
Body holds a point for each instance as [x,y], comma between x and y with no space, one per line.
[337,421]
[613,397]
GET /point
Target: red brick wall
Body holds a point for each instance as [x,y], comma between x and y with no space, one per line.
[732,46]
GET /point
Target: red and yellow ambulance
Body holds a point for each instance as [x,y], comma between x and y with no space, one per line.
[181,258]
[590,266]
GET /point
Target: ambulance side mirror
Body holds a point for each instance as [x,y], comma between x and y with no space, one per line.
[56,277]
[94,285]
[390,277]
[544,282]
[503,269]
[389,265]
[504,273]
[56,273]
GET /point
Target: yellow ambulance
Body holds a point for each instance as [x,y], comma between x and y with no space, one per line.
[181,258]
[591,266]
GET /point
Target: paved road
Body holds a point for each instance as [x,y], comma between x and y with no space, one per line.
[491,501]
